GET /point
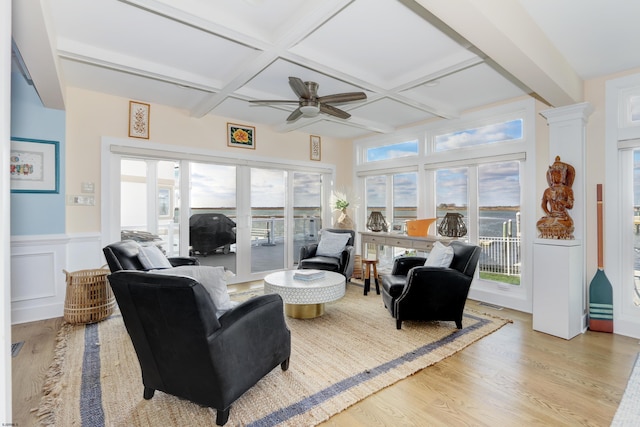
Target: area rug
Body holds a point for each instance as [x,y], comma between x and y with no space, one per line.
[338,359]
[628,413]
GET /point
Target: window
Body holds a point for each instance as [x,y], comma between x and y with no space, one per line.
[392,151]
[405,197]
[499,221]
[489,134]
[476,166]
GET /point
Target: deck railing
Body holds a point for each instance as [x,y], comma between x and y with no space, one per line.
[500,255]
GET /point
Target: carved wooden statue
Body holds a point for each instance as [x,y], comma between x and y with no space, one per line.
[556,200]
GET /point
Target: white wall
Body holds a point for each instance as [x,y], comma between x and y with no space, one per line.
[92,116]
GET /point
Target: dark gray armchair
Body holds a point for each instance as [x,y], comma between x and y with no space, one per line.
[125,255]
[415,292]
[342,264]
[185,351]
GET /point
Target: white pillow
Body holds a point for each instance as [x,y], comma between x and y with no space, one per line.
[214,280]
[332,244]
[440,256]
[152,257]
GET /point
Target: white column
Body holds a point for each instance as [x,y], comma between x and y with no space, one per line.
[5,227]
[558,266]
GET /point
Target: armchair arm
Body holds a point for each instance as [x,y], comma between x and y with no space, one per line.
[402,265]
[347,260]
[435,287]
[308,251]
[252,339]
[177,261]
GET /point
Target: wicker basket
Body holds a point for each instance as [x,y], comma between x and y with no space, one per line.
[89,298]
[357,267]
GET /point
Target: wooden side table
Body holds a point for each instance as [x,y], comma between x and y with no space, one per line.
[367,265]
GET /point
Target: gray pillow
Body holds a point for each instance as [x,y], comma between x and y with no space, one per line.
[151,257]
[214,280]
[332,244]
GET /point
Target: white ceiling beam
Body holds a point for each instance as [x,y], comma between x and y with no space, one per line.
[503,31]
[30,31]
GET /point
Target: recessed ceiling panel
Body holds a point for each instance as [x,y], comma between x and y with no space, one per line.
[390,112]
[273,82]
[99,79]
[127,30]
[470,88]
[335,130]
[386,43]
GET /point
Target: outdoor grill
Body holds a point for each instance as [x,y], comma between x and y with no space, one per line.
[209,232]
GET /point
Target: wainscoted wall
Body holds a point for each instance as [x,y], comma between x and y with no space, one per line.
[38,284]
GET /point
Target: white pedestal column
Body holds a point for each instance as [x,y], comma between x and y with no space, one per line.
[559,287]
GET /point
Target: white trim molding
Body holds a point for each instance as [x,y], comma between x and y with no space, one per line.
[38,284]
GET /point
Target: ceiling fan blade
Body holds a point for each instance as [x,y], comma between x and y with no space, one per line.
[328,109]
[340,98]
[299,88]
[273,101]
[295,115]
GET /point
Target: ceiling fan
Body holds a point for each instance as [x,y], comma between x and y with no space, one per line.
[310,104]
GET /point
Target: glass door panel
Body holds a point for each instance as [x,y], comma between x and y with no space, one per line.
[213,214]
[168,200]
[307,204]
[268,195]
[149,194]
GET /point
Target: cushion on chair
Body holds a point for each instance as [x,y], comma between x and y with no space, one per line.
[214,280]
[321,263]
[332,244]
[151,257]
[440,256]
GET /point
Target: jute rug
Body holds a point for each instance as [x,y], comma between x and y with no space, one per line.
[338,359]
[628,413]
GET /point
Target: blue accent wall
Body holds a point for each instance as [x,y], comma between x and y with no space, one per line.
[37,213]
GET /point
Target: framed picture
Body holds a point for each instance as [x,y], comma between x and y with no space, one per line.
[139,119]
[241,136]
[398,227]
[34,166]
[315,148]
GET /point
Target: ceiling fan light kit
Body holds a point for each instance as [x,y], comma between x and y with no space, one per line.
[310,104]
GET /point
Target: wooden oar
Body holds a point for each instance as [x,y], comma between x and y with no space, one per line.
[600,290]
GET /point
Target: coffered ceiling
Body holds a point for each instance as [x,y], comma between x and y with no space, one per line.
[214,56]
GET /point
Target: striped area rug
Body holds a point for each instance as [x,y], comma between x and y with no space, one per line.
[628,413]
[338,359]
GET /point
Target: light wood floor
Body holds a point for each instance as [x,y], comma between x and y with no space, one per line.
[513,377]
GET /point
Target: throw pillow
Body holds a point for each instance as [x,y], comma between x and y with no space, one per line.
[151,257]
[440,256]
[214,280]
[332,244]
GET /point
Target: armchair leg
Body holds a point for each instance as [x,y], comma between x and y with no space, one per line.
[459,324]
[148,393]
[398,324]
[222,416]
[285,365]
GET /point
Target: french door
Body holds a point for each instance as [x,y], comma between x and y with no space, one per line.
[250,219]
